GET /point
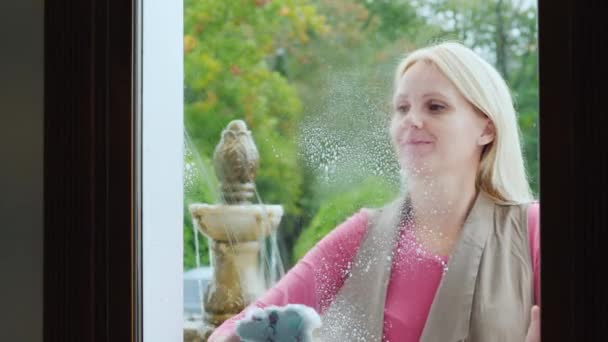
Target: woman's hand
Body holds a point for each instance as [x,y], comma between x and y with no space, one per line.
[233,337]
[534,328]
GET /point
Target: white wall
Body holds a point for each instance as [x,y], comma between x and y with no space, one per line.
[21,156]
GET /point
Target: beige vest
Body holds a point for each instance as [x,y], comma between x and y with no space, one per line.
[485,295]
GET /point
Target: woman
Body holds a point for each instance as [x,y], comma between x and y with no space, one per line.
[456,257]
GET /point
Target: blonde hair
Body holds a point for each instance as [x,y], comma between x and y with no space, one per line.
[501,173]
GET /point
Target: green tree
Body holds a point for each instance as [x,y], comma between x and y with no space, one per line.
[230,74]
[372,193]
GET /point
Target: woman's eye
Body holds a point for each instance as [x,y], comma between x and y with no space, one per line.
[402,108]
[436,107]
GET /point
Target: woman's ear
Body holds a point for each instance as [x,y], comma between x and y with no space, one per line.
[488,134]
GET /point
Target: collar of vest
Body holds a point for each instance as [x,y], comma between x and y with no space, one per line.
[450,313]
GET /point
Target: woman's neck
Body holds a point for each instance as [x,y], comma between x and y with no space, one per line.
[441,204]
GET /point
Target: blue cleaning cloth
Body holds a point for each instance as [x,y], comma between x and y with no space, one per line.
[290,323]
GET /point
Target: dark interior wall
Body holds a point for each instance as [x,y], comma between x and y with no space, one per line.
[21,169]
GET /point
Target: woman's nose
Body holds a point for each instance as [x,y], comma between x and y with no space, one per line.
[413,118]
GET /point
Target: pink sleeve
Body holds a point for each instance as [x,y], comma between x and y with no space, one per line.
[316,278]
[534,238]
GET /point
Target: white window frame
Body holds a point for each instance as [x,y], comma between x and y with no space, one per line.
[162,104]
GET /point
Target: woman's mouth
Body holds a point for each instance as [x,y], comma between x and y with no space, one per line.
[416,146]
[415,142]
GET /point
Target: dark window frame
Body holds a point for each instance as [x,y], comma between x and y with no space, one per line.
[89,172]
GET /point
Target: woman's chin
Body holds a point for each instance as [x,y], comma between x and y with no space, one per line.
[416,166]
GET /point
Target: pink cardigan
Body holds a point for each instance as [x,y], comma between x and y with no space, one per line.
[415,277]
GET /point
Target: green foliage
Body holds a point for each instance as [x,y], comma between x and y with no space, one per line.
[200,185]
[229,47]
[374,192]
[343,77]
[227,77]
[395,19]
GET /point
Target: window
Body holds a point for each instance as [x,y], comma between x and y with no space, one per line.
[312,80]
[87,166]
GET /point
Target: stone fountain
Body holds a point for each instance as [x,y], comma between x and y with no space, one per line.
[234,229]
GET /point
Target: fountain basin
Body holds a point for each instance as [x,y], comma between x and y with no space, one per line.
[236,223]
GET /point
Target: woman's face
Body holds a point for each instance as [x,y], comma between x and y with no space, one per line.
[434,129]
